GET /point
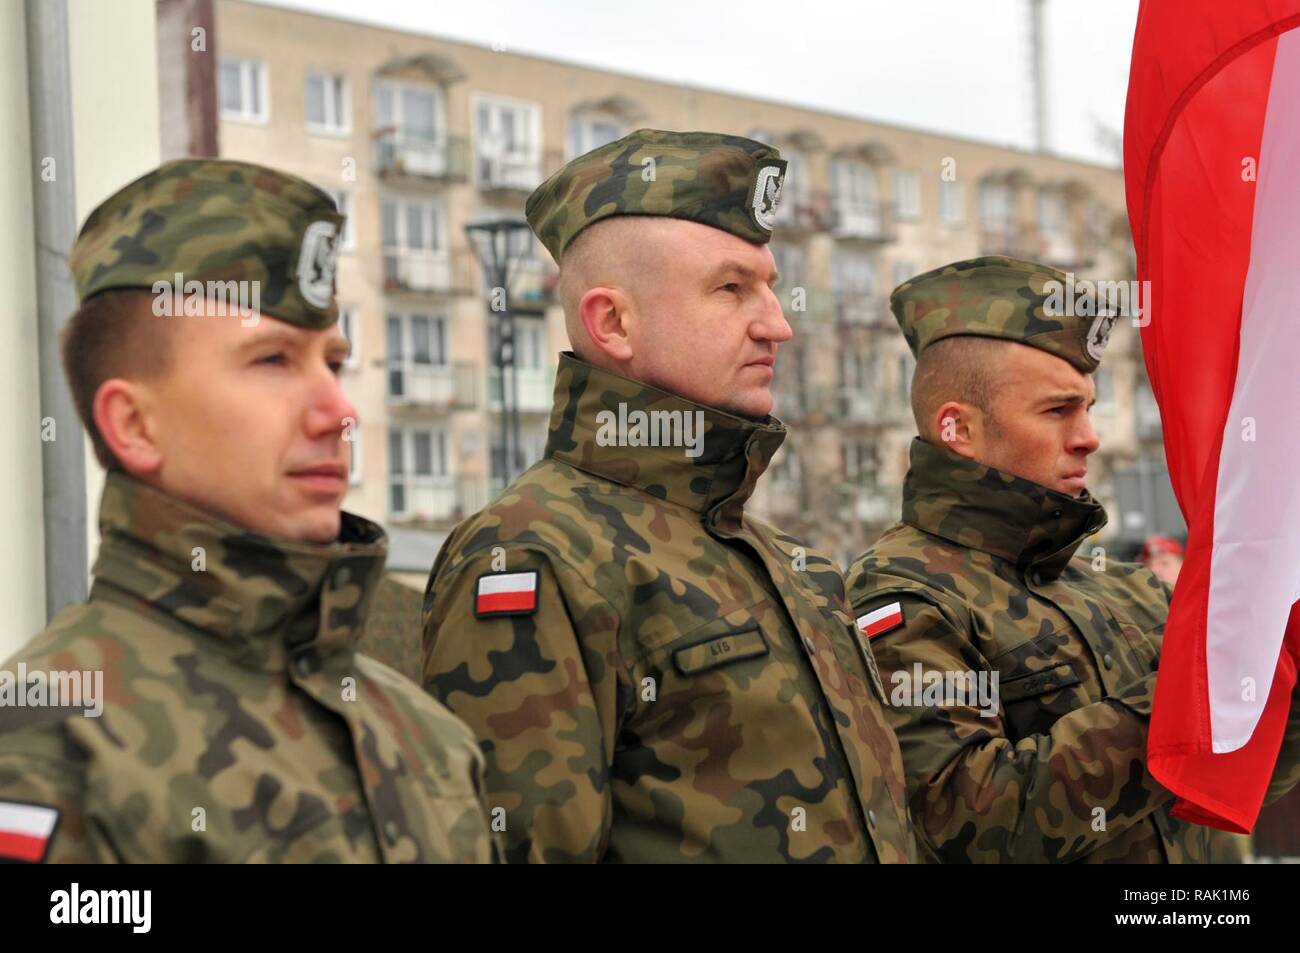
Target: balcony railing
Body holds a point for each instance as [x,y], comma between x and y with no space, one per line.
[414,383]
[861,308]
[508,172]
[422,497]
[426,271]
[862,221]
[802,212]
[1010,238]
[536,389]
[401,152]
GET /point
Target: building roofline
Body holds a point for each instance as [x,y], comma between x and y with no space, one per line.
[712,90]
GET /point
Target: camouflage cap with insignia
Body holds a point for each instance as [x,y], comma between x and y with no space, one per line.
[216,220]
[999,297]
[724,181]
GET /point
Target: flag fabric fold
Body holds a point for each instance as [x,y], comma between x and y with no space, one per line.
[1211,149]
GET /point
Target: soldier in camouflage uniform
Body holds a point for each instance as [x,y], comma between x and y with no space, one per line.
[984,575]
[236,722]
[655,675]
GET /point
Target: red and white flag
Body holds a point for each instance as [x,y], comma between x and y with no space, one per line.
[1211,153]
[506,593]
[25,830]
[879,621]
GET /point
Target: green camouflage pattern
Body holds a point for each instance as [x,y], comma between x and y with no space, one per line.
[997,574]
[234,701]
[726,182]
[690,686]
[216,220]
[999,297]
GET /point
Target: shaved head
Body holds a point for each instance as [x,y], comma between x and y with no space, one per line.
[966,369]
[624,252]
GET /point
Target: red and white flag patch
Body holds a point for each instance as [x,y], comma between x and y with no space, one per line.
[25,830]
[882,620]
[506,593]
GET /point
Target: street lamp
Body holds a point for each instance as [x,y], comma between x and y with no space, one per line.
[499,245]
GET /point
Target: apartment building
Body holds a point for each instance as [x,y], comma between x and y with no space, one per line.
[418,136]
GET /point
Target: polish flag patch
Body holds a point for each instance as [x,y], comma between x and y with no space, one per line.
[25,830]
[882,620]
[506,593]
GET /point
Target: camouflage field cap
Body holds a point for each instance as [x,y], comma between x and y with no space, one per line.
[215,220]
[727,182]
[1005,298]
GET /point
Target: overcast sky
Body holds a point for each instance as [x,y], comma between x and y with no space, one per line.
[954,66]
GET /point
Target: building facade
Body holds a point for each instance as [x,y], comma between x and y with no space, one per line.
[419,136]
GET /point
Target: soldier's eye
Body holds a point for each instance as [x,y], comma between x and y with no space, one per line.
[730,287]
[278,358]
[336,367]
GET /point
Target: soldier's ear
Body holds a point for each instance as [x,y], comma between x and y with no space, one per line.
[606,316]
[122,416]
[955,428]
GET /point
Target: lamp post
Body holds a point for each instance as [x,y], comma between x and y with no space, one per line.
[498,244]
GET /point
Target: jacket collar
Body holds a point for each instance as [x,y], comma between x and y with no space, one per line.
[263,598]
[705,459]
[970,504]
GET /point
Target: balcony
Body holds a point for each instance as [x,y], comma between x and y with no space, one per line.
[801,213]
[532,285]
[437,386]
[861,221]
[861,309]
[408,157]
[536,389]
[426,271]
[508,173]
[422,497]
[1009,238]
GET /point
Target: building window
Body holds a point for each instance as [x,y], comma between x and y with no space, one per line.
[354,465]
[858,462]
[329,105]
[589,131]
[413,112]
[417,460]
[507,143]
[996,208]
[1104,378]
[853,273]
[907,193]
[417,343]
[530,343]
[789,265]
[242,87]
[348,326]
[854,183]
[952,203]
[1051,213]
[413,225]
[343,199]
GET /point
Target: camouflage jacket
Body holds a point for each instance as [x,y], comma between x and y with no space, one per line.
[680,681]
[982,577]
[237,724]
